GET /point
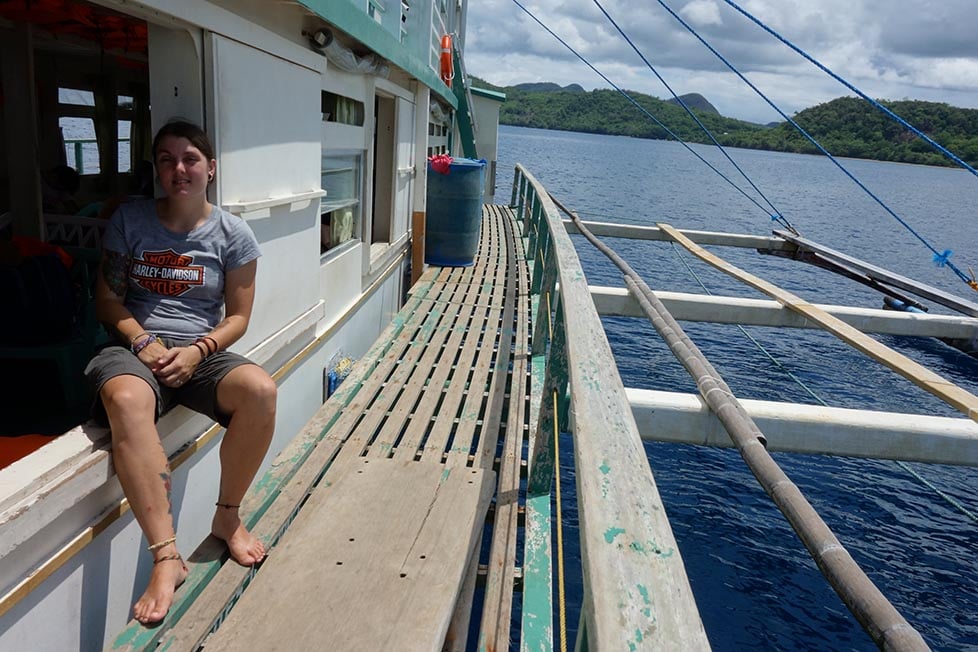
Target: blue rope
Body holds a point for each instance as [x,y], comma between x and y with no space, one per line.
[949,154]
[814,142]
[777,216]
[641,108]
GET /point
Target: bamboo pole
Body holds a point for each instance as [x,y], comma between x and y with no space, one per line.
[874,612]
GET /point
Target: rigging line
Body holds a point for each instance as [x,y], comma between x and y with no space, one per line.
[947,153]
[950,500]
[641,108]
[777,216]
[941,258]
[561,599]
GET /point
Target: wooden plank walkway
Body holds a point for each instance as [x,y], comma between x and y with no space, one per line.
[385,550]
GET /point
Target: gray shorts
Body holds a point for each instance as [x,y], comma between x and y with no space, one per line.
[199,393]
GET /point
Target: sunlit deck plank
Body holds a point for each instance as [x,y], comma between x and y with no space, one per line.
[445,395]
[339,580]
[501,573]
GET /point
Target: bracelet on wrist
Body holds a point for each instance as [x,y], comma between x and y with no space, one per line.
[143,343]
[132,340]
[204,351]
[208,340]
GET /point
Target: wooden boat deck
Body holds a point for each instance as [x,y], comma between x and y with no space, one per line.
[381,524]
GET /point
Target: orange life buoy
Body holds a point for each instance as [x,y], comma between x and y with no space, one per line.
[447,69]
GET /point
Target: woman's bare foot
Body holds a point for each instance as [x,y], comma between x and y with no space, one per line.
[245,548]
[169,572]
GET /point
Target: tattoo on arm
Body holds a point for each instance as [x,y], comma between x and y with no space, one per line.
[115,271]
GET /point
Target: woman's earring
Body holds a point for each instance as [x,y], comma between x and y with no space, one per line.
[210,177]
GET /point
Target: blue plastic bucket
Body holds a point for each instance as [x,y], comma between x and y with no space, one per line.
[454,213]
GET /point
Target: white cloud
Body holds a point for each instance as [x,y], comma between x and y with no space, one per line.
[702,12]
[891,49]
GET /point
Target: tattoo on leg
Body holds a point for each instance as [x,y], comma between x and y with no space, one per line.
[169,490]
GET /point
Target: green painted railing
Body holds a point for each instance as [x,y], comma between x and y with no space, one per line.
[636,593]
[77,145]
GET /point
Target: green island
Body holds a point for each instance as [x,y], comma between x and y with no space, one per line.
[846,126]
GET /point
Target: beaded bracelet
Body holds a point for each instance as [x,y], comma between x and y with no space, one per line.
[143,343]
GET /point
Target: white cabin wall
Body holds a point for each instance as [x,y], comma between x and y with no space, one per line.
[405,170]
[268,144]
[421,118]
[176,69]
[486,112]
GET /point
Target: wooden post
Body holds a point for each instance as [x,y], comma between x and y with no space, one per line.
[20,122]
[417,245]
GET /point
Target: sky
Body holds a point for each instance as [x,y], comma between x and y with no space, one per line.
[889,49]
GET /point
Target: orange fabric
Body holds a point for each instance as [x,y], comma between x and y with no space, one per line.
[15,448]
[34,247]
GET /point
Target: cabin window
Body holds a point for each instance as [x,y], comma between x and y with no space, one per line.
[437,139]
[341,207]
[125,160]
[77,123]
[375,9]
[341,109]
[81,146]
[76,97]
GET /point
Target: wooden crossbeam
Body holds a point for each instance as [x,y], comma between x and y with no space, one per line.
[916,373]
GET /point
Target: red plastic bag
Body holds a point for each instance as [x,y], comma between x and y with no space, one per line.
[440,163]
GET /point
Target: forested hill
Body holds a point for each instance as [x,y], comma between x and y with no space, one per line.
[848,126]
[845,126]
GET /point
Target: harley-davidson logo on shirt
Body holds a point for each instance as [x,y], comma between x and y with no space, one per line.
[166,272]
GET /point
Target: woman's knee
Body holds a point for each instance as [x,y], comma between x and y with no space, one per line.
[253,389]
[264,391]
[128,396]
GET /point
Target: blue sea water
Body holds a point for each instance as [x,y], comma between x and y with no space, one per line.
[755,585]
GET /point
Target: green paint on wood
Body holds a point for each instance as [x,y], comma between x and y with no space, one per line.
[604,468]
[651,548]
[647,611]
[537,623]
[611,533]
[638,635]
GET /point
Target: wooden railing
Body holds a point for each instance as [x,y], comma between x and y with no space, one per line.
[636,593]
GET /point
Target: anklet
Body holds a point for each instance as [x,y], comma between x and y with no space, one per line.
[227,505]
[162,544]
[175,557]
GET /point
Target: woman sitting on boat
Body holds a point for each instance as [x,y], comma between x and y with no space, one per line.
[169,267]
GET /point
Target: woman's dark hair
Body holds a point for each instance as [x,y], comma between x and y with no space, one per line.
[182,129]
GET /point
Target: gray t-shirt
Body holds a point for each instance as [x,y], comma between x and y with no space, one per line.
[176,280]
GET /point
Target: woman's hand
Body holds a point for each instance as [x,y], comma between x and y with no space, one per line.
[177,365]
[151,354]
